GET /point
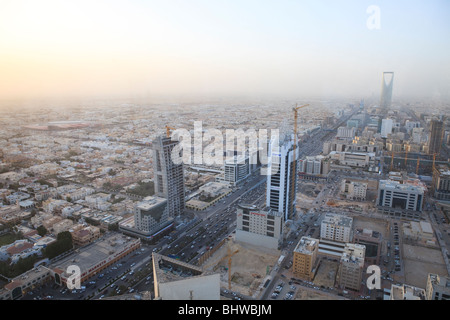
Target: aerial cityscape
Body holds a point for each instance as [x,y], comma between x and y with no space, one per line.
[221,170]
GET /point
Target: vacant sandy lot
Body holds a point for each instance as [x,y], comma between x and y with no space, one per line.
[372,224]
[248,265]
[419,261]
[311,294]
[326,275]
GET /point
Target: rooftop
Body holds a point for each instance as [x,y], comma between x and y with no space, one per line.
[307,245]
[87,257]
[337,219]
[168,269]
[149,202]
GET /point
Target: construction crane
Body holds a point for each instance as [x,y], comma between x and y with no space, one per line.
[417,166]
[418,162]
[168,131]
[228,256]
[295,109]
[434,160]
[406,155]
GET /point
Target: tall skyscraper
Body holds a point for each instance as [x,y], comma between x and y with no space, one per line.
[168,176]
[436,134]
[386,127]
[386,90]
[281,188]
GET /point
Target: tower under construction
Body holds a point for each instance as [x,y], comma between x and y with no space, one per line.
[168,176]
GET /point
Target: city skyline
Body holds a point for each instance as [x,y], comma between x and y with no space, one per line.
[162,150]
[65,49]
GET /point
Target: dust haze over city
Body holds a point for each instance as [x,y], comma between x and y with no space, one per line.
[241,150]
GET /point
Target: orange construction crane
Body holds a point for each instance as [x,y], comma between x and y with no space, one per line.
[434,160]
[227,256]
[229,267]
[417,166]
[406,155]
[392,160]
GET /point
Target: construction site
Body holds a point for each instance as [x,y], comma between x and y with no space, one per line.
[242,267]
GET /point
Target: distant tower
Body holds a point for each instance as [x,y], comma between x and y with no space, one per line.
[279,181]
[436,134]
[168,176]
[386,91]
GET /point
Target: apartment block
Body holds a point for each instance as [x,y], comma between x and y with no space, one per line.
[305,258]
[335,227]
[351,266]
[354,190]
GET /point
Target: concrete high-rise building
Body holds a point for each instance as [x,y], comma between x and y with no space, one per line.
[168,176]
[151,215]
[386,127]
[236,169]
[436,134]
[305,258]
[351,266]
[336,227]
[386,90]
[281,188]
[441,182]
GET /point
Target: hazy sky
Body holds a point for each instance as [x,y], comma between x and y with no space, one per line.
[140,47]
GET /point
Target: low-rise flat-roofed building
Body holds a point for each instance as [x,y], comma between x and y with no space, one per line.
[25,282]
[50,222]
[438,287]
[178,280]
[305,258]
[260,227]
[95,257]
[13,214]
[354,159]
[84,236]
[208,194]
[61,226]
[419,231]
[406,292]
